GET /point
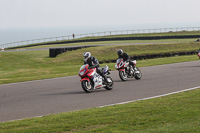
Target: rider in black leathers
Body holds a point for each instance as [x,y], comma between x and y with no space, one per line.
[125,57]
[93,63]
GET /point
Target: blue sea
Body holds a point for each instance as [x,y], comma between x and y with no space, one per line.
[22,34]
[9,35]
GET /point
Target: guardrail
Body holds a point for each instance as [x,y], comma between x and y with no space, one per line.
[97,34]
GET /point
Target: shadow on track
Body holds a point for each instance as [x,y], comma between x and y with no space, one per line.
[124,81]
[64,93]
[74,93]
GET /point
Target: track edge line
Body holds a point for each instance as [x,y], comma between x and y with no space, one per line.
[151,97]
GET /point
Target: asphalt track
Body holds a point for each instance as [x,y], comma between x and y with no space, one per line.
[43,97]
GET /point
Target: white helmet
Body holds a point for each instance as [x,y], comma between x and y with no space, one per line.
[86,56]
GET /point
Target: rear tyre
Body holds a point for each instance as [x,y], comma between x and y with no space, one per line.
[123,75]
[87,86]
[109,85]
[138,74]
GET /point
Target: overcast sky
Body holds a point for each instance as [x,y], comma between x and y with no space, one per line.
[60,13]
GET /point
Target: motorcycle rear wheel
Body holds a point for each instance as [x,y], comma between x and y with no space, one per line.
[87,86]
[109,86]
[138,75]
[123,75]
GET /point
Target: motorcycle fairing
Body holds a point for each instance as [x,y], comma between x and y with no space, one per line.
[97,79]
[119,63]
[91,72]
[198,54]
[85,78]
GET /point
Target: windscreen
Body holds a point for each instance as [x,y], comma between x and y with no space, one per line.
[118,61]
[83,67]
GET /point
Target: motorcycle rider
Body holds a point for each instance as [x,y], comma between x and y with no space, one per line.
[125,57]
[93,63]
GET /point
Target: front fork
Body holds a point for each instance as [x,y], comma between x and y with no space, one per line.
[87,79]
[125,71]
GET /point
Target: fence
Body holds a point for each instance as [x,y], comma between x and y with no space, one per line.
[97,34]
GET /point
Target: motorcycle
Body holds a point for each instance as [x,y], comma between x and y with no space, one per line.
[126,72]
[91,80]
[198,54]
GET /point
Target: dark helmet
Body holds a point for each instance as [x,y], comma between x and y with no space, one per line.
[120,52]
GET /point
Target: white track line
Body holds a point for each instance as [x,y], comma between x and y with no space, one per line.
[151,97]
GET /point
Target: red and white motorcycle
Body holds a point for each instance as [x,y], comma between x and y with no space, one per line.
[127,72]
[91,80]
[198,54]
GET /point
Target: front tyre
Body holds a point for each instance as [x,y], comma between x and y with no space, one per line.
[138,74]
[87,86]
[109,85]
[123,75]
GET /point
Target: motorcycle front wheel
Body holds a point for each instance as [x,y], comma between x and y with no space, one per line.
[87,86]
[123,75]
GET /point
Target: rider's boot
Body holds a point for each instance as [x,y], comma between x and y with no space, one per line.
[106,79]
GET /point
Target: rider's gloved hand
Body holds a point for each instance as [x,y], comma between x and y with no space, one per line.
[91,67]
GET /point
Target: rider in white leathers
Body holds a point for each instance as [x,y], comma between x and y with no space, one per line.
[93,63]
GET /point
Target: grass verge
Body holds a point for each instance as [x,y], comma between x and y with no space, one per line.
[173,113]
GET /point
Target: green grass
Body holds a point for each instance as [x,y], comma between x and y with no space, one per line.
[33,65]
[173,113]
[111,42]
